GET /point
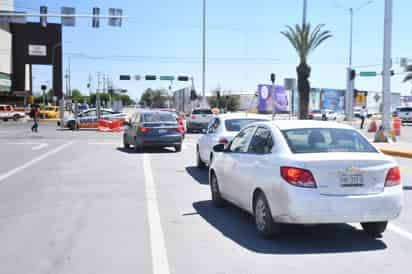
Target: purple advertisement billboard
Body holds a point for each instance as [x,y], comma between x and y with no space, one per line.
[269,100]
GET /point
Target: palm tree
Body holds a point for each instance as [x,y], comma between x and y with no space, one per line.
[305,42]
[408,76]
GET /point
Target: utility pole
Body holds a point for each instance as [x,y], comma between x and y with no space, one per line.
[349,81]
[387,64]
[69,77]
[98,95]
[204,55]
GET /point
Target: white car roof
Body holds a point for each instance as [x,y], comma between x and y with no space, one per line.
[296,124]
[229,116]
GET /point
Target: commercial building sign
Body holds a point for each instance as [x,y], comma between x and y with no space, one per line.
[333,99]
[37,50]
[5,82]
[269,100]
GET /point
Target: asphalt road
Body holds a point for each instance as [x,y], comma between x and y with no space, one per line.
[77,202]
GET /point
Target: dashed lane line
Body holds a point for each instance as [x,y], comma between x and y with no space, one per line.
[32,162]
[160,263]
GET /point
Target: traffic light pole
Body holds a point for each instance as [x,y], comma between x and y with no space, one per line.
[204,55]
[387,64]
[349,81]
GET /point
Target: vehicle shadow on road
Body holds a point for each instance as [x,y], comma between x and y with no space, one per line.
[146,150]
[239,227]
[200,175]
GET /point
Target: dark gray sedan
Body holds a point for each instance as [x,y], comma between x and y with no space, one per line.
[150,128]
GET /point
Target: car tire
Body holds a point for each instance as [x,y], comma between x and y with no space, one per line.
[71,125]
[200,163]
[265,225]
[178,148]
[217,199]
[374,229]
[16,117]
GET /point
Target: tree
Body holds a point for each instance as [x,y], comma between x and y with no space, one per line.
[227,102]
[305,41]
[154,98]
[77,96]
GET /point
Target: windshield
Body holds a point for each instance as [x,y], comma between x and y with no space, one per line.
[321,140]
[202,111]
[236,125]
[156,117]
[406,109]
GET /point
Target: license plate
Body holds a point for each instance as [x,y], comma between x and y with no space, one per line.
[162,131]
[351,180]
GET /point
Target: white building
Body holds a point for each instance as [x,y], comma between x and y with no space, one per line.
[5,49]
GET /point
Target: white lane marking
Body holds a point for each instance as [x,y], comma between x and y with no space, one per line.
[32,162]
[38,146]
[184,146]
[160,264]
[400,231]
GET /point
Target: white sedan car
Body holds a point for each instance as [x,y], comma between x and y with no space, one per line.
[306,172]
[221,130]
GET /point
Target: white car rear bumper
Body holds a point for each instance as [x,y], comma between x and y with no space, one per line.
[307,206]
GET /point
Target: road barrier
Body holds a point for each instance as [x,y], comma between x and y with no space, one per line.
[110,126]
[397,124]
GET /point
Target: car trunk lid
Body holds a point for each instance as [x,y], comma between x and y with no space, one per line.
[347,173]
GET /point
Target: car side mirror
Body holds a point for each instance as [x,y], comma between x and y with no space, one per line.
[219,148]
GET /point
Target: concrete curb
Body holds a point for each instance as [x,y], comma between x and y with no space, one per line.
[396,152]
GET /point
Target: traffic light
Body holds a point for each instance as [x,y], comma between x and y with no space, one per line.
[272,77]
[96,19]
[150,77]
[43,18]
[352,74]
[183,78]
[218,94]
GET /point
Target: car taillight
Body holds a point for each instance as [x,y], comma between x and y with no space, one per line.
[223,140]
[144,129]
[180,129]
[298,177]
[193,117]
[394,177]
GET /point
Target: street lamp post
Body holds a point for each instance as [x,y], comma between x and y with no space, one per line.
[305,10]
[387,64]
[204,54]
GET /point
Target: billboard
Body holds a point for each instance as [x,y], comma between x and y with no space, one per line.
[333,99]
[269,100]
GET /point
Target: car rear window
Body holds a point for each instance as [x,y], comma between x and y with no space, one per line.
[238,124]
[321,140]
[156,117]
[202,111]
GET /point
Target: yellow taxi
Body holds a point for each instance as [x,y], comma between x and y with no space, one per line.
[49,112]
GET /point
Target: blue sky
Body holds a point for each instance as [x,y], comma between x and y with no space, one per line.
[244,43]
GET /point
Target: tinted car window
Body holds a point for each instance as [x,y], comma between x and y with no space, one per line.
[156,117]
[262,142]
[316,140]
[240,143]
[202,111]
[405,109]
[236,125]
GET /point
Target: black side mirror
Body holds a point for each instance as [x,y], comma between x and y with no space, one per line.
[219,148]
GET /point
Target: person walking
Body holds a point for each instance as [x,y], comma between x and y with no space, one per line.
[363,115]
[34,114]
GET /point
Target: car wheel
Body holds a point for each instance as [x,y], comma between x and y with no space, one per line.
[178,148]
[16,117]
[200,163]
[374,229]
[265,225]
[217,199]
[71,125]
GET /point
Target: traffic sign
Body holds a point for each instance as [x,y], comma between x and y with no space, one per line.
[68,20]
[150,77]
[368,74]
[167,78]
[183,78]
[125,77]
